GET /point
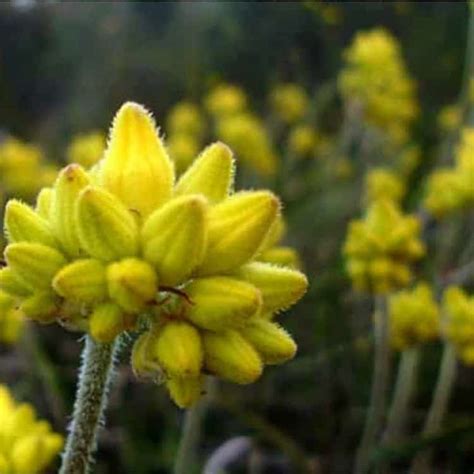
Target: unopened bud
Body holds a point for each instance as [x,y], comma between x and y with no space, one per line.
[106,322]
[185,392]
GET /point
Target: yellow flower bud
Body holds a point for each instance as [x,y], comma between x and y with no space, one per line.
[43,202]
[143,363]
[12,284]
[82,280]
[25,453]
[275,234]
[23,224]
[284,256]
[41,307]
[230,356]
[107,230]
[185,392]
[106,322]
[136,166]
[211,174]
[280,287]
[271,341]
[221,302]
[174,238]
[71,180]
[178,349]
[237,229]
[132,283]
[35,264]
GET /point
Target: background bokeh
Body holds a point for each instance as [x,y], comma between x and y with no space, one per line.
[65,68]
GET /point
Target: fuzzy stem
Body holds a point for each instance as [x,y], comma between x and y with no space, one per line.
[91,399]
[380,385]
[186,457]
[404,390]
[439,406]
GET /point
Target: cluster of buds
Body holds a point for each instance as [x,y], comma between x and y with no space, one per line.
[27,445]
[86,149]
[185,125]
[381,247]
[382,183]
[414,317]
[458,310]
[23,168]
[452,189]
[289,102]
[123,246]
[11,320]
[376,77]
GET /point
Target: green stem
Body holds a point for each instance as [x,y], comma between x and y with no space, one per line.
[439,406]
[380,386]
[91,399]
[186,461]
[404,391]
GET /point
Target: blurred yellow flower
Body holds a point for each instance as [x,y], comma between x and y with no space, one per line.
[289,102]
[11,320]
[449,118]
[27,445]
[185,118]
[302,141]
[224,100]
[183,149]
[414,317]
[86,149]
[383,184]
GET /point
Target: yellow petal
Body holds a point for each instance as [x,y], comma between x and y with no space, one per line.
[136,166]
[185,392]
[106,322]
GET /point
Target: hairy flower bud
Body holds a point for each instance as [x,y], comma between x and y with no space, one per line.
[12,284]
[178,349]
[230,356]
[142,360]
[280,287]
[221,302]
[106,322]
[174,238]
[211,174]
[132,283]
[82,280]
[237,228]
[35,264]
[43,203]
[136,166]
[41,306]
[107,230]
[271,341]
[23,224]
[71,180]
[185,392]
[284,256]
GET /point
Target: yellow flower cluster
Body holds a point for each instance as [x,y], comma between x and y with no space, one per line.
[375,75]
[23,169]
[185,125]
[289,102]
[124,242]
[414,317]
[11,320]
[380,248]
[303,140]
[86,149]
[382,183]
[452,189]
[459,325]
[27,445]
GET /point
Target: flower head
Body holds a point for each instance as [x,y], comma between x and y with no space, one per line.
[27,445]
[123,243]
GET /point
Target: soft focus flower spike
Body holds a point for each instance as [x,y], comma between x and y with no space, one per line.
[106,322]
[271,341]
[230,356]
[280,287]
[107,230]
[71,180]
[82,281]
[185,392]
[23,224]
[132,283]
[35,264]
[237,228]
[178,349]
[174,238]
[136,166]
[220,303]
[211,174]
